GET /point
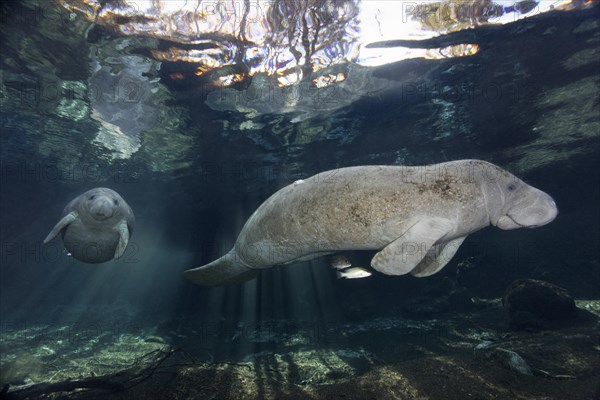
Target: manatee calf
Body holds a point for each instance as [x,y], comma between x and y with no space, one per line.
[95,226]
[416,217]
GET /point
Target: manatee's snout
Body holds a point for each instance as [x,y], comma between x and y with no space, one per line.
[541,212]
[102,208]
[535,210]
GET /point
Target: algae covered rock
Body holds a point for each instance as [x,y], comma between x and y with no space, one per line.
[533,304]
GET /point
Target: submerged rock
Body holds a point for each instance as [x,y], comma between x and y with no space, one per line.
[22,368]
[533,304]
[515,362]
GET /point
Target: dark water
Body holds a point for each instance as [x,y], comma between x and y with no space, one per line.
[193,172]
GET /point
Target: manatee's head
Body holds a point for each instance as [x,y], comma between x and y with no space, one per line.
[512,203]
[102,204]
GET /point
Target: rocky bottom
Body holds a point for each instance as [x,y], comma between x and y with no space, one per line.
[459,356]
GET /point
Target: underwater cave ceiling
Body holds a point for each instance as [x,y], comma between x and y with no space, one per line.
[171,89]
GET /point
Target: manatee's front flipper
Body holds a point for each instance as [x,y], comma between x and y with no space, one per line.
[437,257]
[403,254]
[66,220]
[123,239]
[227,270]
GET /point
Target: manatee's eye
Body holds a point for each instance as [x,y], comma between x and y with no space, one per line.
[116,202]
[511,187]
[92,197]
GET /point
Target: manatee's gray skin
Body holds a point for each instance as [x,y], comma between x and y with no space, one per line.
[95,226]
[416,217]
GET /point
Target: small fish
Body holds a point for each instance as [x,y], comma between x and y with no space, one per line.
[353,273]
[340,262]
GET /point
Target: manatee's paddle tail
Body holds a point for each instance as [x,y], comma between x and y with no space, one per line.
[226,270]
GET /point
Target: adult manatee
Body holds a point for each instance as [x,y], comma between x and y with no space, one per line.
[416,217]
